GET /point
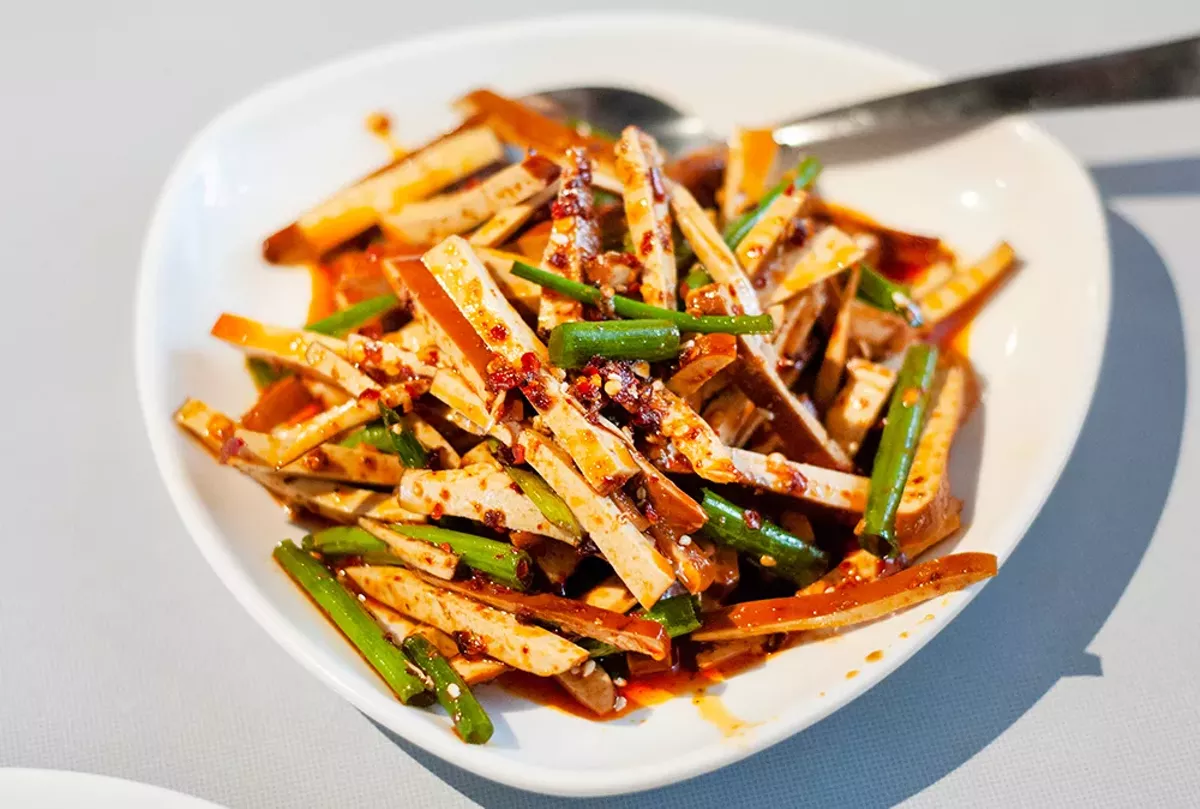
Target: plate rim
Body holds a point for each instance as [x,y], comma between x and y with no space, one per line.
[204,534]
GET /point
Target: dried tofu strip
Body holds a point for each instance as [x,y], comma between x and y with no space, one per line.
[860,403]
[525,295]
[643,570]
[433,441]
[797,318]
[757,371]
[733,416]
[725,651]
[498,634]
[773,227]
[434,219]
[968,286]
[601,456]
[640,169]
[751,157]
[712,251]
[333,501]
[590,686]
[417,554]
[926,502]
[814,484]
[400,628]
[693,568]
[684,427]
[365,466]
[556,560]
[456,343]
[702,358]
[878,333]
[477,670]
[286,444]
[931,278]
[828,252]
[523,126]
[628,632]
[483,494]
[508,221]
[355,209]
[610,594]
[309,352]
[574,240]
[856,605]
[829,377]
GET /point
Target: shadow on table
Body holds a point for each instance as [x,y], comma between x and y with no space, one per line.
[1028,628]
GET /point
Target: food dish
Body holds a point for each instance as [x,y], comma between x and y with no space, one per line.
[527,387]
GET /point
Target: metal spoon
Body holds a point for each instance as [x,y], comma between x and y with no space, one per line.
[1166,71]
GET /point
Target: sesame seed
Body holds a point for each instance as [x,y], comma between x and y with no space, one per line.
[362,597]
[641,492]
[612,387]
[620,682]
[588,668]
[619,704]
[767,561]
[685,540]
[454,691]
[575,670]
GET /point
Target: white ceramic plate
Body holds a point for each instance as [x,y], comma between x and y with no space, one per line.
[1038,345]
[60,789]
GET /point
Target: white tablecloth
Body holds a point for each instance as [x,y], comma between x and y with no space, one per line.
[1071,681]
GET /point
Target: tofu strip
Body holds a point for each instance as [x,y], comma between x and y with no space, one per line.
[286,444]
[593,690]
[364,466]
[852,606]
[773,227]
[476,670]
[751,156]
[526,296]
[524,126]
[333,501]
[399,628]
[859,404]
[308,352]
[814,484]
[481,493]
[433,441]
[574,240]
[968,286]
[627,632]
[633,558]
[648,212]
[432,220]
[352,210]
[610,594]
[600,455]
[703,357]
[445,385]
[757,372]
[829,377]
[678,422]
[926,504]
[416,554]
[451,336]
[494,632]
[828,252]
[508,221]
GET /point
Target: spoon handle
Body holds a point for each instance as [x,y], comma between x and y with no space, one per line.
[1170,70]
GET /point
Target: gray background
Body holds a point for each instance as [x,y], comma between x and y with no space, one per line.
[1072,680]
